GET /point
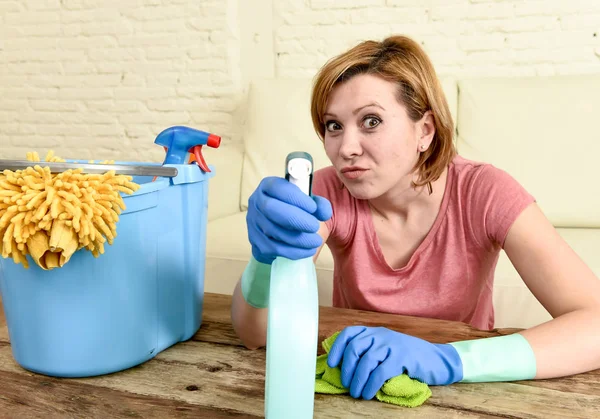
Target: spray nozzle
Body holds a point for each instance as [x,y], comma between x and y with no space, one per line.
[178,141]
[299,170]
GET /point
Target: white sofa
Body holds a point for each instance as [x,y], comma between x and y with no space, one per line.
[543,131]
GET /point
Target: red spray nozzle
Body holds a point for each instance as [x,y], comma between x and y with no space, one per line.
[178,141]
[213,141]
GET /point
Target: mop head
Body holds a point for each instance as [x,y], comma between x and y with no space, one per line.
[50,216]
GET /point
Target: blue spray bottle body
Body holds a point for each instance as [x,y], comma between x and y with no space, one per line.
[293,322]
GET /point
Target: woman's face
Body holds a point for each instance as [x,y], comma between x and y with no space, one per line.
[369,138]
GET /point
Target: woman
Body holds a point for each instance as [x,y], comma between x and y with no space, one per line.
[415,229]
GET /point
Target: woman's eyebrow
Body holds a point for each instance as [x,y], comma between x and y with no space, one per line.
[357,110]
[375,104]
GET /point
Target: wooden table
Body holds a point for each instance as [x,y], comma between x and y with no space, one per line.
[214,376]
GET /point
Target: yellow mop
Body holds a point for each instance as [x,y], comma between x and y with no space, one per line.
[50,216]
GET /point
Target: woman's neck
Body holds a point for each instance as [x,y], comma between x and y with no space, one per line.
[404,202]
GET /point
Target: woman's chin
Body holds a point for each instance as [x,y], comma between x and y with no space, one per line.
[361,192]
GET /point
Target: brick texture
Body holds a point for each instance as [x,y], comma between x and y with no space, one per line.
[100,79]
[464,38]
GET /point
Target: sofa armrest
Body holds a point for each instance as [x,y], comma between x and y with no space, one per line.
[224,187]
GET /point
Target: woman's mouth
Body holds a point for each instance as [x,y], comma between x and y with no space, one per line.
[353,172]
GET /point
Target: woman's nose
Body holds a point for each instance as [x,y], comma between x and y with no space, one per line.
[350,146]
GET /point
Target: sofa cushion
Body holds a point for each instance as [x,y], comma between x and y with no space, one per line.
[228,251]
[224,187]
[278,121]
[543,131]
[227,238]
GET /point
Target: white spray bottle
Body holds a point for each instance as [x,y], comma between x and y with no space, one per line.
[293,322]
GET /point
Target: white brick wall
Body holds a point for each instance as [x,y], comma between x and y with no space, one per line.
[463,37]
[100,79]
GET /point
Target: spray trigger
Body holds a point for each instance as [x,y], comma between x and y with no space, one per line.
[196,156]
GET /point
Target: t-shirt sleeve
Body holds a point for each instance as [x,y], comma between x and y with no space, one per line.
[496,199]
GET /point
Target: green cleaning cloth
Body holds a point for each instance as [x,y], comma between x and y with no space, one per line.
[400,390]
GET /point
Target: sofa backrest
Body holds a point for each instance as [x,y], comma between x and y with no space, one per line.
[278,121]
[544,132]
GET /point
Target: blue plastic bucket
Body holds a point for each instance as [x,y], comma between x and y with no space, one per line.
[100,315]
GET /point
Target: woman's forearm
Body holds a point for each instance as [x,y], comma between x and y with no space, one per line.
[566,345]
[249,323]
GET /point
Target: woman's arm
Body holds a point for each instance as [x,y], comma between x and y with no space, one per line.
[250,323]
[566,287]
[567,345]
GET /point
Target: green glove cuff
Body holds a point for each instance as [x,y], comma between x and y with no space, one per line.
[501,358]
[255,283]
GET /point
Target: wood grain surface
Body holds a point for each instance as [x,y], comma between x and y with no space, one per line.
[214,376]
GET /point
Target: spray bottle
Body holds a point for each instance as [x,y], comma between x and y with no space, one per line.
[293,322]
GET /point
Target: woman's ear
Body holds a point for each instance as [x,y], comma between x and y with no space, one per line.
[425,131]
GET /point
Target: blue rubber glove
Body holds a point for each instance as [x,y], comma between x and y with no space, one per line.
[284,221]
[372,355]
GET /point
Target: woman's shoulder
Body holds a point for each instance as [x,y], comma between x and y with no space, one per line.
[466,167]
[326,173]
[346,214]
[490,197]
[479,174]
[326,183]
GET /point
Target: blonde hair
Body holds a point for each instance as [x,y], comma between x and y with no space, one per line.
[402,61]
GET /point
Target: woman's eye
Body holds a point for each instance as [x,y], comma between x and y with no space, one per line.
[371,122]
[332,126]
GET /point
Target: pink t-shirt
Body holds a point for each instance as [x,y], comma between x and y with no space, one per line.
[451,274]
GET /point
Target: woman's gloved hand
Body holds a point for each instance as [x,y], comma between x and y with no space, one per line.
[370,356]
[284,221]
